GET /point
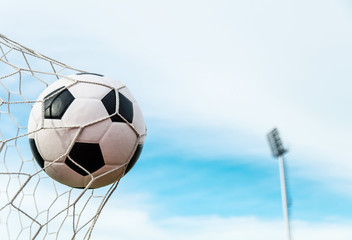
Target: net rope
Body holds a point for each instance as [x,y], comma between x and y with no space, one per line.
[32,205]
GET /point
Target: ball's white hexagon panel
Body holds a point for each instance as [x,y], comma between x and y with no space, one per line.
[53,143]
[34,121]
[94,133]
[115,83]
[90,90]
[118,144]
[106,175]
[138,120]
[84,111]
[52,123]
[63,174]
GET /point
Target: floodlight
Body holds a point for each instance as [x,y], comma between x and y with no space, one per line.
[275,143]
[278,151]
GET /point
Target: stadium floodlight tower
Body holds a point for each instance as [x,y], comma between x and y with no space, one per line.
[278,151]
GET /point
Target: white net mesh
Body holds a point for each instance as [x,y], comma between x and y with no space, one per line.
[32,205]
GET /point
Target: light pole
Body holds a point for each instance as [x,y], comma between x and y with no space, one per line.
[278,151]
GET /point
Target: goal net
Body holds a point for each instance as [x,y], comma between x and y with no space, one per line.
[32,205]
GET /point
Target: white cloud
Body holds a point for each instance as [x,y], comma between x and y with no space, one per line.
[127,223]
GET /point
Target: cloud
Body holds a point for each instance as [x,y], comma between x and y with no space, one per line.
[128,223]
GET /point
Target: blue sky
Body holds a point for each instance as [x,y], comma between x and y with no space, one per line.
[213,77]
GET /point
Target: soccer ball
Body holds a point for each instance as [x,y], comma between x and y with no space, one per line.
[86,130]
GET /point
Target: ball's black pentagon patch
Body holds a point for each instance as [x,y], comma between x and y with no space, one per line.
[87,155]
[125,107]
[36,153]
[134,158]
[56,103]
[85,73]
[109,102]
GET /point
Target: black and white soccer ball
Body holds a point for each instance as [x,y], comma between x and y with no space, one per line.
[86,130]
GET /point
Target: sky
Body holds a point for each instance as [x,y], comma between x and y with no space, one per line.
[213,78]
